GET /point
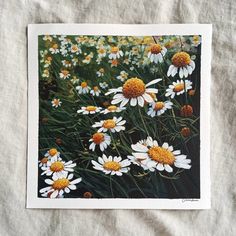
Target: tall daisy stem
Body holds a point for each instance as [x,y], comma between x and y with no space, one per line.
[113,141]
[145,127]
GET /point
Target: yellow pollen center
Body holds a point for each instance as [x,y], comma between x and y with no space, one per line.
[112,165]
[98,138]
[52,151]
[55,46]
[181,59]
[133,88]
[109,124]
[95,88]
[161,155]
[101,70]
[179,87]
[159,106]
[101,50]
[57,166]
[84,85]
[114,62]
[74,48]
[91,108]
[56,102]
[156,48]
[60,184]
[114,49]
[112,108]
[65,72]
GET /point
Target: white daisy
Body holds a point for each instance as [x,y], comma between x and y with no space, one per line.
[100,72]
[83,88]
[135,91]
[64,74]
[56,167]
[101,51]
[56,102]
[45,73]
[75,49]
[88,58]
[54,49]
[101,139]
[156,53]
[66,63]
[52,153]
[123,76]
[181,62]
[115,53]
[158,108]
[153,156]
[59,186]
[113,125]
[89,110]
[43,162]
[178,87]
[47,37]
[111,165]
[196,40]
[95,91]
[103,85]
[112,108]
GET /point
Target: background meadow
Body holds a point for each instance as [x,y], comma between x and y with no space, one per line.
[67,62]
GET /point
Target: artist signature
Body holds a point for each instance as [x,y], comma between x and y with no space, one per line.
[190,200]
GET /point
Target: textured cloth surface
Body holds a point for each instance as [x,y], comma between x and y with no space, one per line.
[15,219]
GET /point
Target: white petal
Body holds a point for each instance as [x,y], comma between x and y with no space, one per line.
[124,102]
[133,102]
[160,167]
[153,82]
[140,101]
[147,97]
[168,168]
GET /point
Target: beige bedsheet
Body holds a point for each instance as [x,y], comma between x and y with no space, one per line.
[15,219]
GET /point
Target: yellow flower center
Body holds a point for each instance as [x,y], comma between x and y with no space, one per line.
[74,48]
[114,62]
[95,88]
[56,101]
[52,151]
[84,84]
[101,51]
[112,165]
[161,155]
[44,160]
[179,87]
[112,108]
[60,184]
[159,106]
[109,124]
[91,108]
[101,70]
[98,138]
[133,88]
[181,59]
[65,72]
[114,50]
[156,48]
[57,166]
[55,46]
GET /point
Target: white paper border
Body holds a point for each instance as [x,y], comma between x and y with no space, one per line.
[205,30]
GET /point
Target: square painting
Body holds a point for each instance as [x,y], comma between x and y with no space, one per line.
[118,117]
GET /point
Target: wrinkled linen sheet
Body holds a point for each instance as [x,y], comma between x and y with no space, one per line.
[15,219]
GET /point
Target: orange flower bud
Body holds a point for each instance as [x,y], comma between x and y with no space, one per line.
[88,195]
[186,111]
[185,132]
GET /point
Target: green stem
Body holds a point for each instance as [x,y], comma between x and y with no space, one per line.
[144,125]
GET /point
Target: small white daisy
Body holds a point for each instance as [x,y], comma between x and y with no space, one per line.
[153,156]
[54,49]
[103,85]
[101,139]
[64,74]
[178,87]
[83,88]
[57,167]
[115,53]
[88,58]
[181,62]
[56,102]
[66,63]
[75,49]
[95,91]
[156,53]
[43,162]
[111,165]
[134,91]
[59,186]
[158,108]
[100,72]
[101,51]
[113,125]
[112,108]
[45,73]
[89,110]
[196,40]
[47,37]
[52,153]
[123,76]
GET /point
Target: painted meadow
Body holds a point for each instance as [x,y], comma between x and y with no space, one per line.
[119,116]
